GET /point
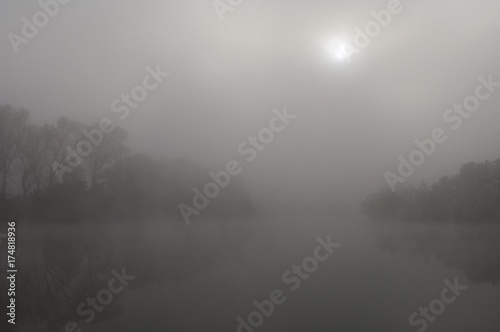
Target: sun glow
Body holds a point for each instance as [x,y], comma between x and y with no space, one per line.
[335,51]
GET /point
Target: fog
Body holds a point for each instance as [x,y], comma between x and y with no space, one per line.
[226,77]
[232,70]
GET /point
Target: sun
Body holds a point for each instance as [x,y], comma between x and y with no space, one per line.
[335,51]
[341,54]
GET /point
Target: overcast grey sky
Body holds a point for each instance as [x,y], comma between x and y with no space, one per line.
[353,119]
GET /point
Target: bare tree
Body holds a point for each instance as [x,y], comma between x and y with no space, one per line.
[12,124]
[64,134]
[34,155]
[110,149]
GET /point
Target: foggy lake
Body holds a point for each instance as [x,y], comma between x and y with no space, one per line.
[249,166]
[373,281]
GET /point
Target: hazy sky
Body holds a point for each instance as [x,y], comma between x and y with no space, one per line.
[354,119]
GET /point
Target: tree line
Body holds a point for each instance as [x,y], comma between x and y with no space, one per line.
[40,176]
[472,195]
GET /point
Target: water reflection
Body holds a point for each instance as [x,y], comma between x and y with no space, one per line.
[61,266]
[472,249]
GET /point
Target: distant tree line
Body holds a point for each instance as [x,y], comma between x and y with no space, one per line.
[472,195]
[110,182]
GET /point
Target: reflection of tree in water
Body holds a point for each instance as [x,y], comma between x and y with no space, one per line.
[473,249]
[62,257]
[59,269]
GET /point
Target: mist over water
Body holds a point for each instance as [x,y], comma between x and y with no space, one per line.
[369,282]
[249,165]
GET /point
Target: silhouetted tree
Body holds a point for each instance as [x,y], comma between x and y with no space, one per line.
[473,195]
[12,124]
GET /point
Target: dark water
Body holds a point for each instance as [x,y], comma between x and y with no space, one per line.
[202,278]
